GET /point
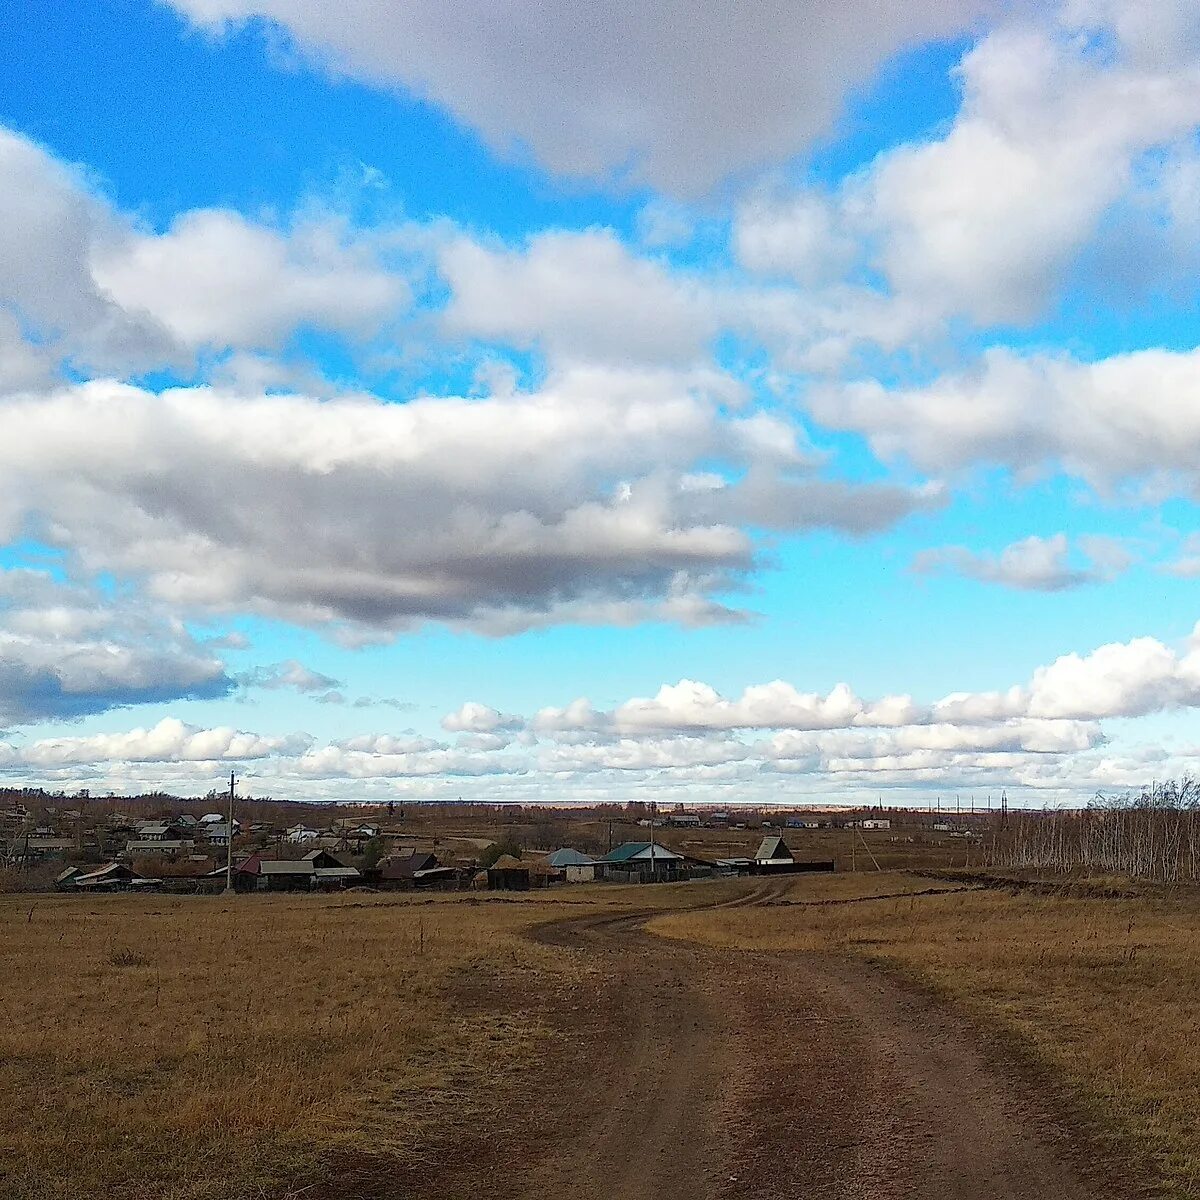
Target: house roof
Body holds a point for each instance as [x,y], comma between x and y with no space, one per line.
[285,866]
[642,851]
[403,866]
[567,857]
[153,828]
[772,849]
[337,873]
[506,862]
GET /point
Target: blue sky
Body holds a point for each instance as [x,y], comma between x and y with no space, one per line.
[558,405]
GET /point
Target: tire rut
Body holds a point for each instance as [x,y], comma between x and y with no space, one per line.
[742,1074]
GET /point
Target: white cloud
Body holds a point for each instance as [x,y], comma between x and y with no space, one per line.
[216,279]
[290,674]
[480,718]
[578,296]
[1064,119]
[1034,564]
[1130,418]
[94,287]
[678,95]
[169,741]
[67,651]
[562,504]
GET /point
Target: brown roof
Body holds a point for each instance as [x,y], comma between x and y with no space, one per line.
[506,862]
[406,865]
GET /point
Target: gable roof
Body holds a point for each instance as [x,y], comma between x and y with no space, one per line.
[642,852]
[404,866]
[772,849]
[567,857]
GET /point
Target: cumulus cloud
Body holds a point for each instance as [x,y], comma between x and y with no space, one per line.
[1035,564]
[480,718]
[67,651]
[216,279]
[990,217]
[290,674]
[688,740]
[1129,418]
[578,295]
[170,740]
[618,88]
[88,284]
[566,503]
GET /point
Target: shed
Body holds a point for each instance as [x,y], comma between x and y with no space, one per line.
[336,877]
[509,874]
[113,877]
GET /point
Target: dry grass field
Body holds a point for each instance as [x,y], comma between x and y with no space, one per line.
[195,1048]
[1100,992]
[191,1047]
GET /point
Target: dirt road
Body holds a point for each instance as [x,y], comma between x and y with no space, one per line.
[718,1074]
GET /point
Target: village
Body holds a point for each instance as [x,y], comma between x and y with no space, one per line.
[194,847]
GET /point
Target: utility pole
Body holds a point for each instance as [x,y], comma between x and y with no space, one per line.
[229,843]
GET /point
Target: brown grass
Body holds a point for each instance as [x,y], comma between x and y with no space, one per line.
[194,1048]
[190,1048]
[1099,992]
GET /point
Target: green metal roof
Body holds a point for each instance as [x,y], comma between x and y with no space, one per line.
[631,850]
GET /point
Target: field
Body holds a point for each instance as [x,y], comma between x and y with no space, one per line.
[363,1045]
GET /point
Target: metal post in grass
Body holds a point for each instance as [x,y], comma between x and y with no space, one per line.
[229,841]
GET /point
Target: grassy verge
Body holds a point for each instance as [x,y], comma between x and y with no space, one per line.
[193,1048]
[1101,991]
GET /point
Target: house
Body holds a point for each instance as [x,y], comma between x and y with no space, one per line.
[772,850]
[684,820]
[301,833]
[64,881]
[331,878]
[29,847]
[718,819]
[401,870]
[159,831]
[138,847]
[112,877]
[211,819]
[218,834]
[322,859]
[285,874]
[642,858]
[329,872]
[577,867]
[875,823]
[245,874]
[187,821]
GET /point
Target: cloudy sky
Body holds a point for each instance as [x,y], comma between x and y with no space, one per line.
[774,402]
